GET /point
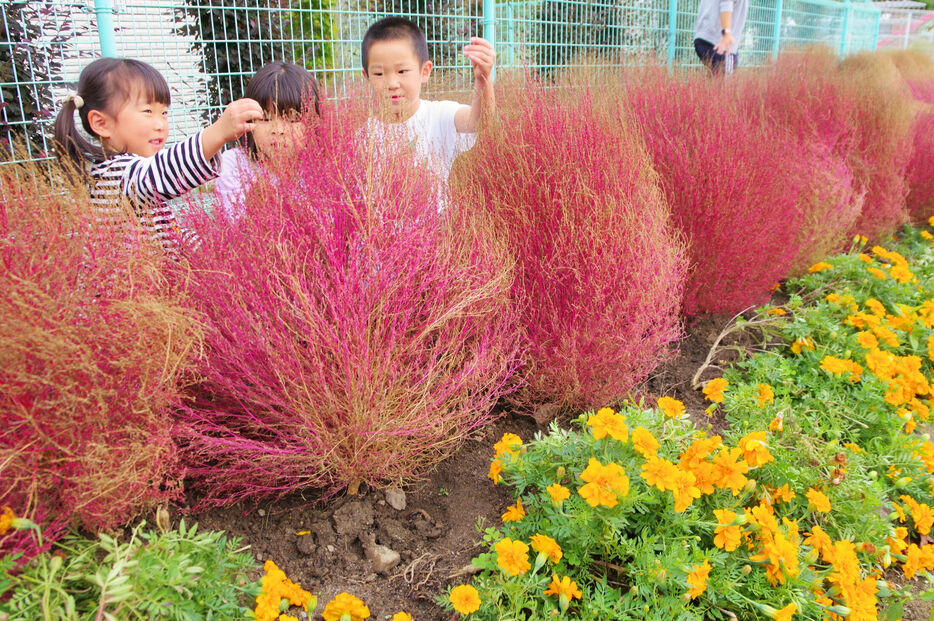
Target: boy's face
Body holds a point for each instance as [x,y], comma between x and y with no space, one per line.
[396,78]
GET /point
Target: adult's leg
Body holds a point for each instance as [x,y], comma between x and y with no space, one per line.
[707,55]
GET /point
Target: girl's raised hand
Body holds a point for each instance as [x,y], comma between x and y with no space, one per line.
[238,118]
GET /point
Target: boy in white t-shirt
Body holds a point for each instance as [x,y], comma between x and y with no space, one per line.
[395,65]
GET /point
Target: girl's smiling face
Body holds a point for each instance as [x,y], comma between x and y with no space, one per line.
[278,131]
[140,127]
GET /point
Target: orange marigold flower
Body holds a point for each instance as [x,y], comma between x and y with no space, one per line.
[606,422]
[785,614]
[819,540]
[558,493]
[833,298]
[515,513]
[565,588]
[764,395]
[604,484]
[778,423]
[714,389]
[818,500]
[926,235]
[6,519]
[729,470]
[820,266]
[496,469]
[512,556]
[838,366]
[509,443]
[671,407]
[728,536]
[401,616]
[644,442]
[685,490]
[776,311]
[465,599]
[877,273]
[875,307]
[755,450]
[697,579]
[545,545]
[867,340]
[801,343]
[345,604]
[783,493]
[660,473]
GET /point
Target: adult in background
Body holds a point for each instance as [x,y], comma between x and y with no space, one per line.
[717,33]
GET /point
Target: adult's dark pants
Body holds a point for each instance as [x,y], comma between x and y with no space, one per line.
[719,64]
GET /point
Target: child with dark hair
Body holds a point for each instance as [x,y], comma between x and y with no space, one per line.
[285,92]
[124,104]
[396,65]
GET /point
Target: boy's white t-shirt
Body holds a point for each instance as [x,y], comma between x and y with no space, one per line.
[431,134]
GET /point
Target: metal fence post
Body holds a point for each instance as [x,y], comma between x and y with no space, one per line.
[104,9]
[672,30]
[489,25]
[845,34]
[907,39]
[777,30]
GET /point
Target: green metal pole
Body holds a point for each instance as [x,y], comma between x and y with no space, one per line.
[875,30]
[845,35]
[104,9]
[489,25]
[777,30]
[672,30]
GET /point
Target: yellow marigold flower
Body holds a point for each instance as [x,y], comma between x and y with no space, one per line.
[853,447]
[898,543]
[818,500]
[877,273]
[345,604]
[714,389]
[671,407]
[755,450]
[862,240]
[515,513]
[6,519]
[644,442]
[566,590]
[685,490]
[558,493]
[778,423]
[402,616]
[926,235]
[785,614]
[606,422]
[801,343]
[931,220]
[545,545]
[782,556]
[660,473]
[697,578]
[509,443]
[699,450]
[764,395]
[783,493]
[923,517]
[604,484]
[838,366]
[910,424]
[865,258]
[819,540]
[729,470]
[728,535]
[867,340]
[512,556]
[820,266]
[776,311]
[496,469]
[875,307]
[465,599]
[833,298]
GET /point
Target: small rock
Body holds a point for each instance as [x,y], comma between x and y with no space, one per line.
[305,544]
[381,558]
[262,512]
[381,503]
[331,549]
[370,577]
[396,498]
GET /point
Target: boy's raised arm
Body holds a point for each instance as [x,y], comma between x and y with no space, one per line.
[482,56]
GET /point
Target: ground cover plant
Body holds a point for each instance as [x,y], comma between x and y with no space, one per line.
[564,182]
[811,503]
[362,344]
[94,346]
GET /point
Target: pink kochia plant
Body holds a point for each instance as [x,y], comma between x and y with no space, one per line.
[732,182]
[567,186]
[921,166]
[357,332]
[93,347]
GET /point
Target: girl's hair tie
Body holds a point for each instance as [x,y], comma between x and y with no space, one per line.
[75,97]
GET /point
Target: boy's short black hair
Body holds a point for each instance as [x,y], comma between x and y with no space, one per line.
[391,29]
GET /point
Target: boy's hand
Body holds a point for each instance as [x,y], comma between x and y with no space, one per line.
[239,117]
[482,56]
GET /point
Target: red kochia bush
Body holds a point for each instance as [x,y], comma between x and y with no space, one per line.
[355,335]
[567,185]
[917,70]
[93,343]
[732,181]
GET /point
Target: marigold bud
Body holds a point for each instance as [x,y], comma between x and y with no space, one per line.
[747,569]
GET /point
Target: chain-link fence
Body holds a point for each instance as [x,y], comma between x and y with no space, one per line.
[208,49]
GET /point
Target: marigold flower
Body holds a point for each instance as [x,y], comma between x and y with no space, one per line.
[818,540]
[566,590]
[755,450]
[644,442]
[697,578]
[898,543]
[782,556]
[728,536]
[671,407]
[820,266]
[917,558]
[604,484]
[402,616]
[606,422]
[276,587]
[514,513]
[509,443]
[785,614]
[512,556]
[867,340]
[764,395]
[496,469]
[926,235]
[699,450]
[818,500]
[782,493]
[729,470]
[545,545]
[901,273]
[876,307]
[714,389]
[865,258]
[877,273]
[778,423]
[465,599]
[345,604]
[776,311]
[558,493]
[838,366]
[685,490]
[922,516]
[6,519]
[660,473]
[801,343]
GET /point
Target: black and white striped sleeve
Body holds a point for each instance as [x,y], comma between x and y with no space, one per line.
[171,172]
